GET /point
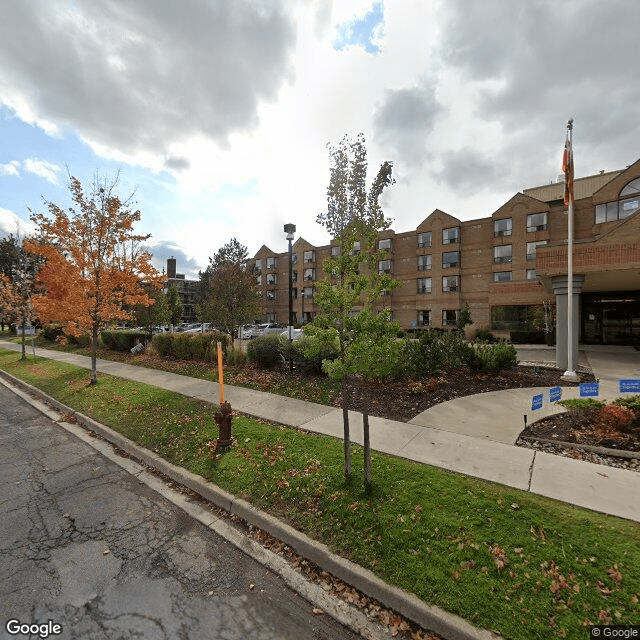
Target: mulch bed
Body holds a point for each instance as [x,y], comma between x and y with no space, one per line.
[584,427]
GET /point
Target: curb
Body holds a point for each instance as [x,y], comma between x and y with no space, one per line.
[449,626]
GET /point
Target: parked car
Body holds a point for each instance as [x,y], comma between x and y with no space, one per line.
[270,327]
[249,331]
[296,334]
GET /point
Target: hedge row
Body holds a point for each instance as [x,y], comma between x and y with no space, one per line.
[122,340]
[189,346]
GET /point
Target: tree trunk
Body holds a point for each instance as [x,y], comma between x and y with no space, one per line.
[24,351]
[345,421]
[367,452]
[94,349]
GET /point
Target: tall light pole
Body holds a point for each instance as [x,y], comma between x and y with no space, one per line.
[290,229]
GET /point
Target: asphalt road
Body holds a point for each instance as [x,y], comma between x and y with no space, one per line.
[87,546]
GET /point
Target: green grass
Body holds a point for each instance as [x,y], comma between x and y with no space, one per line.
[520,564]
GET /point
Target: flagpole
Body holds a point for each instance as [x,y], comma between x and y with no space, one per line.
[570,374]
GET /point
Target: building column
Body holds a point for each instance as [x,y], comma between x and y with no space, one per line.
[560,286]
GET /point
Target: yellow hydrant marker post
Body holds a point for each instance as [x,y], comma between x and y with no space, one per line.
[220,373]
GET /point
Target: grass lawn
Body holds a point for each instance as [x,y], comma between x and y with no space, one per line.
[519,564]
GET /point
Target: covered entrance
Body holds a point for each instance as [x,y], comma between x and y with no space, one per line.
[610,317]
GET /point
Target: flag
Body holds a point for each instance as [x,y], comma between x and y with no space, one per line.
[567,169]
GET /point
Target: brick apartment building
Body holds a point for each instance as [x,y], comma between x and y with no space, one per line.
[188,290]
[508,267]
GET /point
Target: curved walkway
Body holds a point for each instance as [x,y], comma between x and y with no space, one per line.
[485,452]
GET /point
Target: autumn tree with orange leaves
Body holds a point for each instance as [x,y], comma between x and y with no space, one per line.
[91,275]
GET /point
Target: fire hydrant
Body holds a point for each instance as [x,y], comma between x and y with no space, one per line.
[223,420]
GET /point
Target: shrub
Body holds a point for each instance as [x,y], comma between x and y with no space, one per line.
[484,335]
[120,340]
[189,346]
[631,402]
[52,331]
[83,340]
[265,351]
[434,351]
[581,404]
[493,357]
[309,353]
[236,357]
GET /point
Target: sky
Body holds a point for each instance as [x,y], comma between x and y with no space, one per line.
[217,114]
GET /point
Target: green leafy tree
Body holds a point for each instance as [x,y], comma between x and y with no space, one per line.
[151,316]
[175,305]
[228,289]
[464,318]
[349,296]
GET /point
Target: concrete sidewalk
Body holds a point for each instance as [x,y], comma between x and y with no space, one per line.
[606,489]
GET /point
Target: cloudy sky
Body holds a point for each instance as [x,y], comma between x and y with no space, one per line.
[218,113]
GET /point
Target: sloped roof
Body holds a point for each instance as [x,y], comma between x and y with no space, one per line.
[582,187]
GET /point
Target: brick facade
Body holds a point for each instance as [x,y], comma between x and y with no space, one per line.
[506,259]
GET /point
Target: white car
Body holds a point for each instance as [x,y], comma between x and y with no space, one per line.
[270,327]
[296,334]
[249,331]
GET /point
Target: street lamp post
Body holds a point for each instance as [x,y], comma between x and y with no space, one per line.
[290,229]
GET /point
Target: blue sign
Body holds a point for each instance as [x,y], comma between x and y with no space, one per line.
[589,389]
[555,394]
[629,386]
[536,402]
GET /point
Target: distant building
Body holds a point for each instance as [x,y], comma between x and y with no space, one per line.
[188,290]
[508,267]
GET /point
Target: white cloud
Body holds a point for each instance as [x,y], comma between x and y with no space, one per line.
[10,168]
[11,222]
[42,168]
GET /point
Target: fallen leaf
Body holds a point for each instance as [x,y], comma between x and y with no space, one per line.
[317,612]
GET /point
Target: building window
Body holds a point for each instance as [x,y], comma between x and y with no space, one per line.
[294,294]
[309,256]
[516,318]
[384,266]
[271,317]
[271,263]
[424,285]
[307,317]
[451,236]
[450,259]
[271,294]
[536,222]
[259,280]
[294,258]
[424,239]
[532,247]
[424,263]
[502,227]
[449,317]
[424,318]
[307,293]
[450,283]
[309,274]
[335,251]
[502,253]
[618,210]
[272,278]
[295,317]
[258,265]
[384,245]
[294,276]
[502,276]
[356,248]
[632,187]
[532,274]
